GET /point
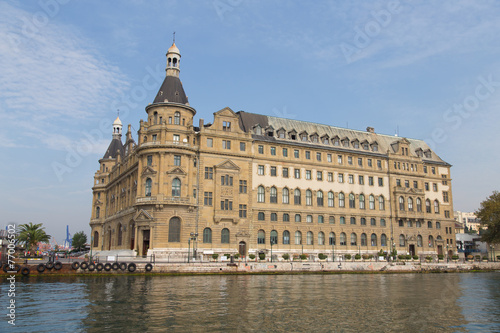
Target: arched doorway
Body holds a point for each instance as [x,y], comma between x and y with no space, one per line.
[242,249]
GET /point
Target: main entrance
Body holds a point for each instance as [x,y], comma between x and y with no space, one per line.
[412,249]
[145,242]
[242,249]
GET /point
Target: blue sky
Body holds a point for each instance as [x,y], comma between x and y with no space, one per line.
[429,70]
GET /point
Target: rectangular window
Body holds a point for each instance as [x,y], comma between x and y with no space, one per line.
[380,181]
[210,142]
[226,126]
[243,186]
[154,137]
[370,180]
[407,183]
[318,157]
[285,152]
[339,159]
[273,171]
[445,196]
[177,138]
[434,187]
[433,170]
[226,180]
[149,159]
[308,155]
[329,158]
[415,184]
[297,173]
[207,200]
[260,170]
[361,180]
[398,182]
[360,162]
[226,204]
[226,144]
[285,172]
[330,176]
[349,160]
[177,160]
[379,164]
[243,211]
[351,179]
[447,214]
[243,146]
[341,177]
[273,151]
[369,162]
[209,173]
[319,175]
[426,185]
[331,219]
[261,149]
[296,153]
[308,174]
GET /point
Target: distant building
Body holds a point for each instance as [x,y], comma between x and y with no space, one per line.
[249,183]
[468,219]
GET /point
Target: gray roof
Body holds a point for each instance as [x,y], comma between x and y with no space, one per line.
[385,143]
[115,146]
[171,90]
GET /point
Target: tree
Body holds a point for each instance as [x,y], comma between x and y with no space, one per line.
[32,234]
[79,240]
[489,214]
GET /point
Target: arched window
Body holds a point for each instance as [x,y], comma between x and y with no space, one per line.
[353,220]
[410,204]
[419,241]
[429,224]
[174,230]
[296,196]
[352,203]
[321,238]
[309,238]
[438,225]
[224,236]
[286,237]
[286,196]
[273,197]
[381,203]
[97,212]
[419,205]
[155,117]
[286,217]
[373,221]
[383,240]
[261,237]
[341,199]
[402,240]
[361,201]
[274,237]
[401,203]
[309,198]
[149,184]
[431,241]
[298,218]
[374,240]
[427,206]
[436,207]
[261,194]
[331,238]
[176,187]
[96,239]
[354,239]
[120,234]
[321,219]
[319,198]
[363,239]
[343,240]
[371,201]
[207,235]
[261,216]
[177,118]
[331,199]
[298,237]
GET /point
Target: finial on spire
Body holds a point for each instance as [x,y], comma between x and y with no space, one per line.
[118,112]
[174,37]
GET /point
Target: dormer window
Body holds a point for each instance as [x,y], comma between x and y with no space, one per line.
[314,138]
[226,126]
[428,153]
[270,133]
[336,141]
[366,146]
[355,144]
[303,137]
[345,143]
[325,140]
[258,130]
[281,134]
[374,146]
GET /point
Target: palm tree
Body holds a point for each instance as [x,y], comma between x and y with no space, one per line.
[32,234]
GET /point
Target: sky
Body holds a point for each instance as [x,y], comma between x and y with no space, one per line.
[421,69]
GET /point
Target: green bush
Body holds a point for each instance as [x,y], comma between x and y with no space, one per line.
[454,257]
[357,257]
[370,256]
[381,253]
[227,255]
[401,257]
[485,258]
[321,256]
[236,256]
[303,256]
[215,256]
[440,256]
[498,258]
[408,257]
[478,257]
[365,256]
[251,256]
[348,257]
[285,256]
[262,256]
[428,258]
[415,257]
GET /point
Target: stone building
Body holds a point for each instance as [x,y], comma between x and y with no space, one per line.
[252,183]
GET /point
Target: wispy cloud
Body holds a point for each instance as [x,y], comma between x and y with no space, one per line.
[52,78]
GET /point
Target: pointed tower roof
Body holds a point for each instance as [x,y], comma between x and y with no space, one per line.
[116,144]
[171,91]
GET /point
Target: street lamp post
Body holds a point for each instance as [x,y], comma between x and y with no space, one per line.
[189,249]
[447,255]
[333,252]
[491,252]
[272,250]
[192,237]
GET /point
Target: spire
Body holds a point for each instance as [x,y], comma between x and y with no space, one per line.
[117,128]
[173,60]
[171,91]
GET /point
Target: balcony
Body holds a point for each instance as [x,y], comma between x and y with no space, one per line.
[161,199]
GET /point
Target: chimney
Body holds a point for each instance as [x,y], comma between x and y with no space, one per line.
[370,130]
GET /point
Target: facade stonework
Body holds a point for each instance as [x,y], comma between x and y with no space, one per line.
[249,183]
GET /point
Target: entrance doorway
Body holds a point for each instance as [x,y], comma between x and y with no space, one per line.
[242,249]
[412,249]
[440,250]
[145,242]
